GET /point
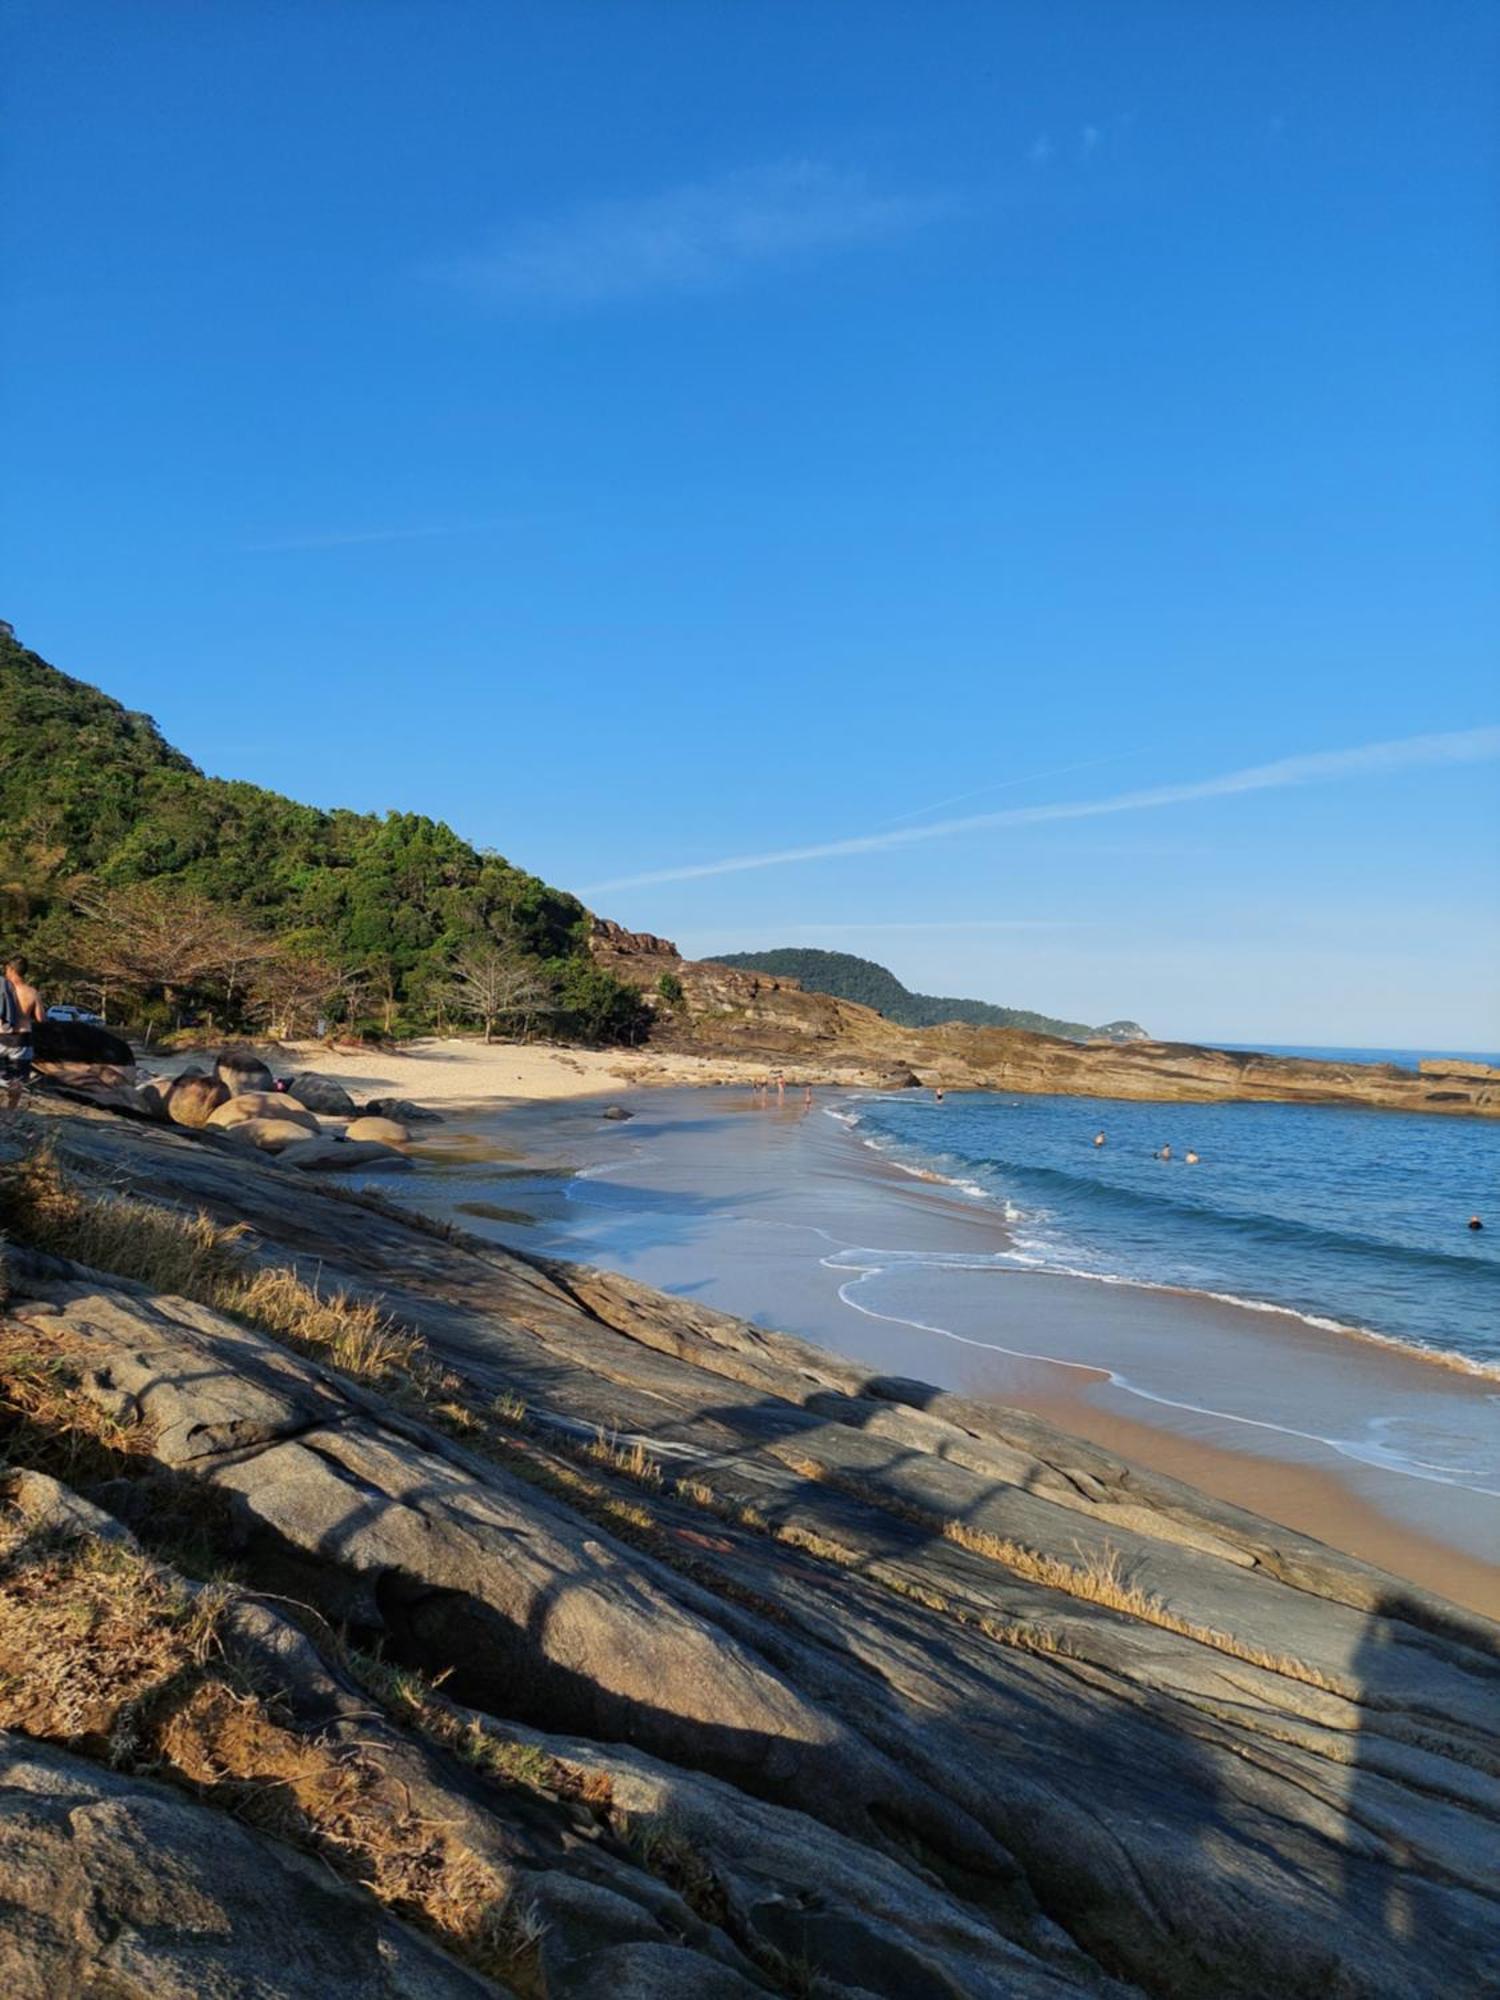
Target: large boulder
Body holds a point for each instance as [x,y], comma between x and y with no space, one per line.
[321,1093]
[194,1098]
[270,1135]
[118,1885]
[330,1155]
[386,1130]
[402,1110]
[241,1069]
[264,1104]
[81,1042]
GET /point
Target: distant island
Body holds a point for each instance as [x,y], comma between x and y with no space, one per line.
[845,977]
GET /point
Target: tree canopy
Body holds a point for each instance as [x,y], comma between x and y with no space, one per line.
[95,802]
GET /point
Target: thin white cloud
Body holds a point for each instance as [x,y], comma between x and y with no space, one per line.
[1090,141]
[699,237]
[1040,150]
[1467,746]
[1006,785]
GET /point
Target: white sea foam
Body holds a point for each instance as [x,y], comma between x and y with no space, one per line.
[1053,1254]
[1362,1450]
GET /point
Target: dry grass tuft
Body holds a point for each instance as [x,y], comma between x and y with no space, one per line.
[46,1423]
[1095,1578]
[92,1634]
[477,1742]
[632,1462]
[107,1652]
[194,1257]
[663,1849]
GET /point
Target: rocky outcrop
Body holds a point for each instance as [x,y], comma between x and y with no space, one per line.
[193,1098]
[119,1885]
[753,1016]
[611,939]
[322,1094]
[263,1104]
[80,1042]
[270,1135]
[241,1069]
[253,1717]
[384,1131]
[402,1110]
[916,1695]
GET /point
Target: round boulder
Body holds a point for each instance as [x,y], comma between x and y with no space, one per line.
[386,1130]
[241,1070]
[269,1135]
[402,1110]
[265,1104]
[193,1098]
[617,1113]
[321,1093]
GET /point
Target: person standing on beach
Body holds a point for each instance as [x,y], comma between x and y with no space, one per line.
[20,1010]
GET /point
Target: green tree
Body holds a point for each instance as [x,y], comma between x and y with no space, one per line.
[599,1008]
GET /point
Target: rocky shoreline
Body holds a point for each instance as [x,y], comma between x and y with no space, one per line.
[754,1017]
[531,1632]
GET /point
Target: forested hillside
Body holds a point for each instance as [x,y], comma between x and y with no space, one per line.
[125,870]
[846,977]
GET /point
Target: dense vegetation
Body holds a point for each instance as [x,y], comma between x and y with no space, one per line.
[846,977]
[126,871]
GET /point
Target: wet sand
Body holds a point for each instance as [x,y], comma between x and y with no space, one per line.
[781,1215]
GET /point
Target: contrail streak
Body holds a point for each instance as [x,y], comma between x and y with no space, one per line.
[1465,746]
[1006,785]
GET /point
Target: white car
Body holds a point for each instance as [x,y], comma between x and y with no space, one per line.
[75,1014]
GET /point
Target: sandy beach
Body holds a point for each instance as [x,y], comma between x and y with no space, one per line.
[763,1214]
[692,1196]
[452,1072]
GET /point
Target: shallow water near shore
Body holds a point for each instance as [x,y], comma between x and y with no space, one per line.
[783,1214]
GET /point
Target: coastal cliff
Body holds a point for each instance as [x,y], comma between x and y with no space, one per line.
[725,1011]
[530,1632]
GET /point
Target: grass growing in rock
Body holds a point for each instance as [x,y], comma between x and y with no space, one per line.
[194,1257]
[104,1651]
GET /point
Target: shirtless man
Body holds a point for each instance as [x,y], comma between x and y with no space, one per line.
[20,1010]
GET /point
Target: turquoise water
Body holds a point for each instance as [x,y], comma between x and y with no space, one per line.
[1353,1217]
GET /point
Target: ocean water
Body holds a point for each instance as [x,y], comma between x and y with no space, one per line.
[1218,1303]
[1351,1218]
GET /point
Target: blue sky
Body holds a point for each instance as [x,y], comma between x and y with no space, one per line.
[650,436]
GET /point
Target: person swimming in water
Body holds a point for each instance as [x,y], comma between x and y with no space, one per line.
[1165,1153]
[1098,1138]
[1191,1158]
[1475,1223]
[938,1093]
